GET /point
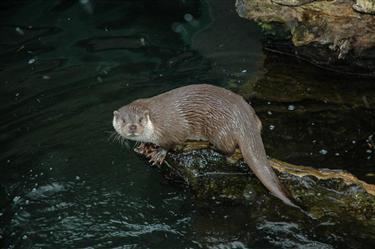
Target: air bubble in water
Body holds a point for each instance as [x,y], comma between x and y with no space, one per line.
[291,107]
[177,27]
[188,17]
[19,31]
[31,61]
[323,151]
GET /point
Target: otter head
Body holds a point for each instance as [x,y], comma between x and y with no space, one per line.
[133,123]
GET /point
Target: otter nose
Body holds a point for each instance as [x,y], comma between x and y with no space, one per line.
[132,128]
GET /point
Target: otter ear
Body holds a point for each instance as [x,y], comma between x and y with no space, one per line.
[147,113]
[115,113]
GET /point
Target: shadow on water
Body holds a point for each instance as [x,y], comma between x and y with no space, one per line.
[315,117]
[66,65]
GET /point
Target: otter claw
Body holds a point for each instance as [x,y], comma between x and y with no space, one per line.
[140,149]
[157,156]
[144,149]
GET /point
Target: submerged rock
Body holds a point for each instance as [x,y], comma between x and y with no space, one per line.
[330,34]
[211,176]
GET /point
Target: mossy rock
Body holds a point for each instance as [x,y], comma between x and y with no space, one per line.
[211,176]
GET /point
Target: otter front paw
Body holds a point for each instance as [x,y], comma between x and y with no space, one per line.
[157,156]
[144,148]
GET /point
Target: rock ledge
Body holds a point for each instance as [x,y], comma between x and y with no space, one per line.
[330,34]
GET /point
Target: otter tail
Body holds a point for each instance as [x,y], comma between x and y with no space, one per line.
[252,149]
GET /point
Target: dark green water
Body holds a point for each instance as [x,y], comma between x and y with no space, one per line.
[66,65]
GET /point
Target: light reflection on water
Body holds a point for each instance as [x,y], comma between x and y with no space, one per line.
[65,66]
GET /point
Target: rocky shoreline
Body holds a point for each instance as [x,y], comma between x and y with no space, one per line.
[331,34]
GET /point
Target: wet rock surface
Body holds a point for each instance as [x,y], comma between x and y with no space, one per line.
[292,2]
[323,192]
[365,6]
[330,34]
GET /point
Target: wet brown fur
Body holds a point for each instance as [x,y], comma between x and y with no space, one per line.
[215,114]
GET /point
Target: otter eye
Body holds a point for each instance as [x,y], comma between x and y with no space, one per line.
[123,120]
[140,120]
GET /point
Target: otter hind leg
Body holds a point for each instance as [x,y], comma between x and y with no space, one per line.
[226,145]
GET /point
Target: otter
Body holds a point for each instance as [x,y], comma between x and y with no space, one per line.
[199,112]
